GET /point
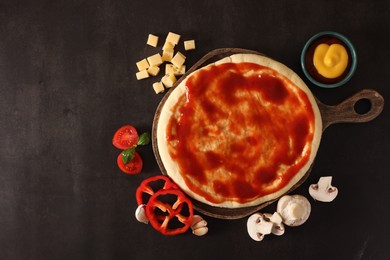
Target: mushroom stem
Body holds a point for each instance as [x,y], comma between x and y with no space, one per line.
[276,219]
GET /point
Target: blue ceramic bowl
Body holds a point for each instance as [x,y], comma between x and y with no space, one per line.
[353,59]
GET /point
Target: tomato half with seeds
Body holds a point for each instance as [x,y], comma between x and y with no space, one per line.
[125,137]
[132,167]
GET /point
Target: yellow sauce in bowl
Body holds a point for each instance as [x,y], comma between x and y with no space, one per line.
[330,60]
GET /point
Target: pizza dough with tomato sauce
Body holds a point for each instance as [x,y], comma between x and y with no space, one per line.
[239,132]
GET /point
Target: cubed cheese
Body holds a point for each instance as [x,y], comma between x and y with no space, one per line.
[142,65]
[168,80]
[171,69]
[158,87]
[173,38]
[153,70]
[189,45]
[152,40]
[178,60]
[143,74]
[167,56]
[168,46]
[180,71]
[155,60]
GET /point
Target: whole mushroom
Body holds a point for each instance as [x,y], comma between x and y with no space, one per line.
[294,210]
[323,190]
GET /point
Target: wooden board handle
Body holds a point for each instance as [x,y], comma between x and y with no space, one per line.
[345,111]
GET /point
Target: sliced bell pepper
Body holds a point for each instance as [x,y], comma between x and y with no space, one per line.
[167,211]
[146,187]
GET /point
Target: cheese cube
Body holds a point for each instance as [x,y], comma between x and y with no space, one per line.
[168,46]
[152,40]
[189,45]
[142,65]
[180,71]
[178,60]
[155,60]
[167,55]
[158,87]
[153,70]
[143,74]
[171,69]
[168,80]
[173,38]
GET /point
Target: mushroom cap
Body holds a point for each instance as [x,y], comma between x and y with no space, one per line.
[323,191]
[295,209]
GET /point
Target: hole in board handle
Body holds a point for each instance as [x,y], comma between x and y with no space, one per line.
[362,106]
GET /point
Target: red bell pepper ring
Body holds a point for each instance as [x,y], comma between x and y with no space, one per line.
[160,221]
[145,187]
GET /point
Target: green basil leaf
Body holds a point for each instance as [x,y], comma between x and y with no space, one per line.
[128,155]
[144,139]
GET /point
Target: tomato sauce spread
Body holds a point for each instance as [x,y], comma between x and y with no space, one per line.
[242,131]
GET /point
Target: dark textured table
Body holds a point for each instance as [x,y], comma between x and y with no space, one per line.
[67,82]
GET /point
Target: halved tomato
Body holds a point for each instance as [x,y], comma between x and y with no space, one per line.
[132,167]
[125,137]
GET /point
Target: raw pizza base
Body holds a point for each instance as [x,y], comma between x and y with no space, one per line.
[172,169]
